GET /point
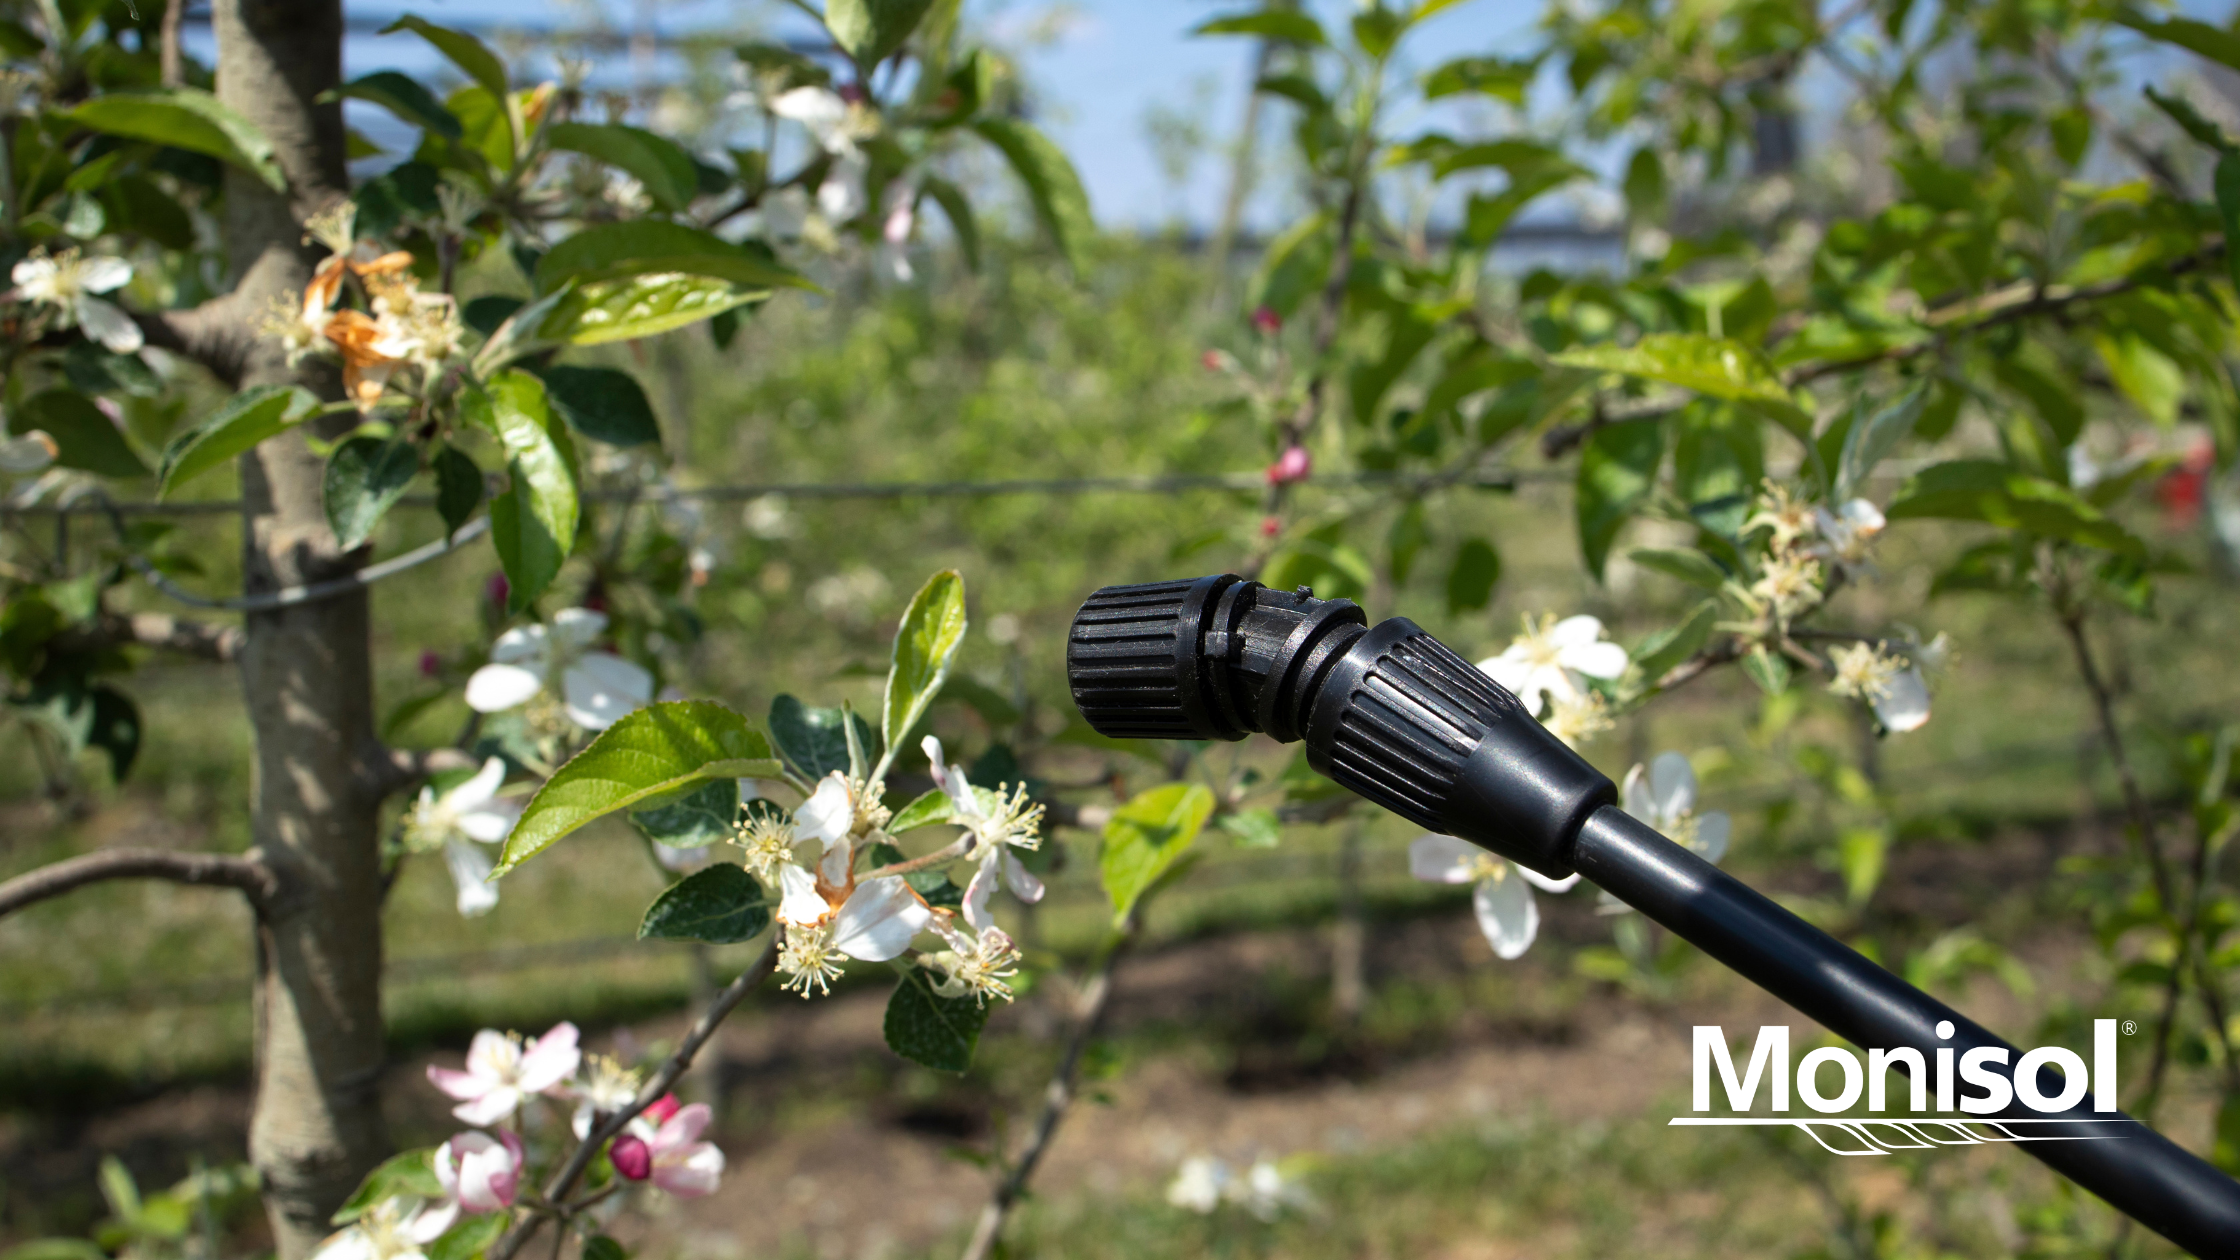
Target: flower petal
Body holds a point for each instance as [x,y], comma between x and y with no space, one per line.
[682,1129]
[829,814]
[1634,796]
[107,323]
[461,1085]
[497,687]
[428,1224]
[1542,882]
[480,788]
[800,904]
[690,1173]
[1575,631]
[601,688]
[470,870]
[879,919]
[522,643]
[491,1107]
[1712,832]
[1506,915]
[978,893]
[1672,787]
[102,273]
[491,823]
[932,746]
[1596,660]
[551,1059]
[1443,859]
[493,1056]
[1021,881]
[1905,707]
[575,629]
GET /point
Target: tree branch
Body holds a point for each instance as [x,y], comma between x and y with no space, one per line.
[213,334]
[663,1081]
[1057,1096]
[244,872]
[209,641]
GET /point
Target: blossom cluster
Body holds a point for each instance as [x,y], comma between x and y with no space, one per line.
[484,1170]
[399,325]
[1205,1182]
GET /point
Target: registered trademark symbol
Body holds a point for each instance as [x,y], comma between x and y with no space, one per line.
[2129,1027]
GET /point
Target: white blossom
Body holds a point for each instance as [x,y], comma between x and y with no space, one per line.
[468,812]
[1502,898]
[1550,657]
[597,688]
[395,1229]
[502,1071]
[1892,684]
[1663,795]
[68,282]
[1009,822]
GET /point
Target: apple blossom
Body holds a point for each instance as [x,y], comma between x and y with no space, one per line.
[503,1070]
[1550,657]
[68,281]
[467,812]
[1663,795]
[1892,684]
[395,1229]
[1009,822]
[673,1158]
[480,1173]
[1501,899]
[597,688]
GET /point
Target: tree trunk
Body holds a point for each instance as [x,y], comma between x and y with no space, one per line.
[305,674]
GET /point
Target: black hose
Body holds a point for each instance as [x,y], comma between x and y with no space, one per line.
[2139,1172]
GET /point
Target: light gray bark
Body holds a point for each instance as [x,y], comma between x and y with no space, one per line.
[317,1128]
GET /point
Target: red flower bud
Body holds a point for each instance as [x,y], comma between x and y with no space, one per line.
[1293,465]
[430,664]
[497,590]
[662,1108]
[632,1158]
[1267,321]
[1270,526]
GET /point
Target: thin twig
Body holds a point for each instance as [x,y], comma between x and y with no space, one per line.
[1057,1097]
[244,872]
[671,1071]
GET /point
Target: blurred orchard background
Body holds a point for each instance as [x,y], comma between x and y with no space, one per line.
[1049,420]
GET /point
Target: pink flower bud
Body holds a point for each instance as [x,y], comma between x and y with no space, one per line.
[1267,321]
[1293,465]
[662,1108]
[1211,361]
[632,1158]
[430,664]
[1270,526]
[497,590]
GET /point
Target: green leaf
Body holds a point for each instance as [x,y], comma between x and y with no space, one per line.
[1711,366]
[1295,28]
[1147,836]
[2200,38]
[665,169]
[601,1247]
[602,403]
[651,247]
[597,312]
[1690,566]
[245,419]
[813,741]
[459,487]
[953,203]
[1617,469]
[84,436]
[1253,828]
[470,1238]
[55,1249]
[693,820]
[719,904]
[403,96]
[115,729]
[1872,439]
[534,522]
[464,51]
[1861,852]
[2181,111]
[1982,490]
[1471,579]
[183,118]
[2228,207]
[1497,77]
[410,1175]
[930,808]
[1717,463]
[1770,670]
[1668,647]
[870,31]
[932,628]
[931,1030]
[365,477]
[1060,203]
[650,752]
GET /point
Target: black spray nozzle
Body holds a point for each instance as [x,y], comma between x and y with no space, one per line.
[1388,712]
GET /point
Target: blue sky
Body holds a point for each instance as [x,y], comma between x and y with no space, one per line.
[1100,67]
